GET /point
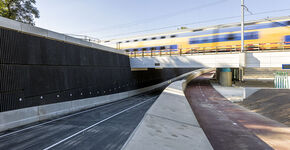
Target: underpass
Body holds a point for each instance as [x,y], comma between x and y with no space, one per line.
[103,127]
[57,74]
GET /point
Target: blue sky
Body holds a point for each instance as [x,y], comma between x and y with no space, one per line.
[108,19]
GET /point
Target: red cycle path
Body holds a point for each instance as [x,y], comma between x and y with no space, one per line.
[229,126]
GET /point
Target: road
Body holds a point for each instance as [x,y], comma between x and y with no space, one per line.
[103,127]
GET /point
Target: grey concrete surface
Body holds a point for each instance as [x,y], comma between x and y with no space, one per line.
[187,61]
[237,94]
[169,124]
[10,24]
[112,125]
[34,30]
[233,94]
[265,59]
[172,105]
[248,91]
[55,35]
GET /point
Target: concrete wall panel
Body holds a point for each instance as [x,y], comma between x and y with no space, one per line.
[34,30]
[55,35]
[10,24]
[15,118]
[230,60]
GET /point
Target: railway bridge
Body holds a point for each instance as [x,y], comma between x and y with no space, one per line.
[238,62]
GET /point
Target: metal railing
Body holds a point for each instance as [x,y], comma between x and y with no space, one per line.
[281,80]
[210,50]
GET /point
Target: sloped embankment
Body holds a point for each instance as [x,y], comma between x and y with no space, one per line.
[272,103]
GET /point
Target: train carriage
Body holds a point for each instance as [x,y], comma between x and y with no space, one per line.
[268,34]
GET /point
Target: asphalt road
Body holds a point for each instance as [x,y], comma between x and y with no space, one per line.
[103,127]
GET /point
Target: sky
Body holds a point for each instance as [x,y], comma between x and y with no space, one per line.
[111,19]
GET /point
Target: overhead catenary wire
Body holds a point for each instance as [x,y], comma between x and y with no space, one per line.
[210,20]
[176,13]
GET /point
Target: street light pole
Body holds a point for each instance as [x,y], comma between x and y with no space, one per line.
[242,27]
[242,63]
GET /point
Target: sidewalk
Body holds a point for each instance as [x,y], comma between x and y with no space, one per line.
[169,124]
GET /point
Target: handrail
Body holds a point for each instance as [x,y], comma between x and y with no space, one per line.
[208,50]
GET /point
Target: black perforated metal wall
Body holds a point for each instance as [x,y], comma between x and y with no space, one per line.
[37,71]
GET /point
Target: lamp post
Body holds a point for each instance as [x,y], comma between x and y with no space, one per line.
[242,63]
[242,26]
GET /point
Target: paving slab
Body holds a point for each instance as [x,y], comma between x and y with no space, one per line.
[169,124]
[157,133]
[173,105]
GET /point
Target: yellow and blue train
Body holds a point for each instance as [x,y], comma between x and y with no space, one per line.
[267,34]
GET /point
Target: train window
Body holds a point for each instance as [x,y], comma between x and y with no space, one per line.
[215,39]
[153,48]
[154,38]
[197,30]
[107,41]
[119,42]
[144,49]
[251,35]
[162,37]
[127,41]
[127,50]
[231,37]
[173,36]
[135,40]
[135,49]
[144,39]
[194,41]
[288,22]
[205,40]
[250,23]
[162,47]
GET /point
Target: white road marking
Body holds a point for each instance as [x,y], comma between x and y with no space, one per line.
[57,119]
[81,131]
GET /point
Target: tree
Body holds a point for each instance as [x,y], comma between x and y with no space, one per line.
[20,10]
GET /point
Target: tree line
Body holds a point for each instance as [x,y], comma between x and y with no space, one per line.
[20,10]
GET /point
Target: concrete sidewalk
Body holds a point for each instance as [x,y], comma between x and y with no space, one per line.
[233,94]
[169,124]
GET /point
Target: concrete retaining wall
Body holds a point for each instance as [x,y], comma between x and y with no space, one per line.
[19,117]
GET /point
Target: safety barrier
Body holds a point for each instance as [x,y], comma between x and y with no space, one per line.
[214,49]
[282,80]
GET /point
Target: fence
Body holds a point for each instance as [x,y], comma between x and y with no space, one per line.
[281,80]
